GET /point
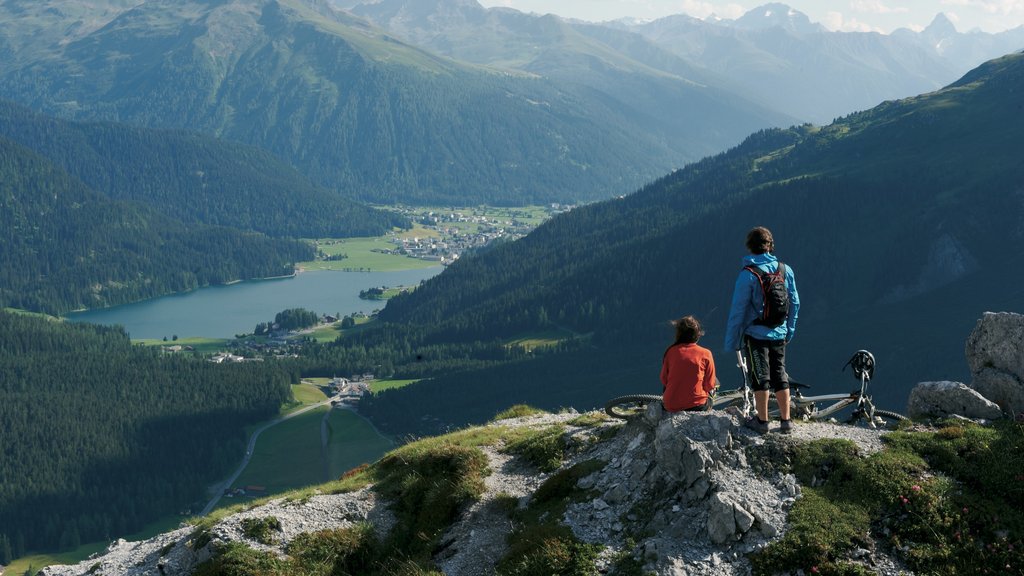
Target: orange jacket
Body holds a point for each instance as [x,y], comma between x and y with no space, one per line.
[688,376]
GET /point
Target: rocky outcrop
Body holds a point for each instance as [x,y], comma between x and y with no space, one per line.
[942,399]
[995,354]
[675,491]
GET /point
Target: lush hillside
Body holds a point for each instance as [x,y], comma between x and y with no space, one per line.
[65,246]
[194,178]
[101,437]
[696,111]
[900,224]
[365,113]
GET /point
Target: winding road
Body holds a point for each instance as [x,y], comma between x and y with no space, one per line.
[252,446]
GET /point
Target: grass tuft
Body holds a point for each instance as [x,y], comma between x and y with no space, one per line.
[517,411]
[261,529]
[539,543]
[544,448]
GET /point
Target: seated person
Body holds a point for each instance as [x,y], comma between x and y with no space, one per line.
[687,370]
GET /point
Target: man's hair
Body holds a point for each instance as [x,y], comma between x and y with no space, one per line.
[688,330]
[759,240]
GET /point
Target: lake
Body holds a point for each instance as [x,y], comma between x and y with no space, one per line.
[223,311]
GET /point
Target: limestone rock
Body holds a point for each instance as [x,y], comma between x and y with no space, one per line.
[995,354]
[997,341]
[1003,388]
[941,399]
[721,519]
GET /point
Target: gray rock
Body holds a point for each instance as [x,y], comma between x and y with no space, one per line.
[1003,388]
[721,519]
[997,341]
[942,399]
[744,519]
[679,458]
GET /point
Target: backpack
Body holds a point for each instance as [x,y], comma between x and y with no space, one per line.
[775,294]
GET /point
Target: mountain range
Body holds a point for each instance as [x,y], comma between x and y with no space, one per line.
[361,111]
[899,222]
[447,101]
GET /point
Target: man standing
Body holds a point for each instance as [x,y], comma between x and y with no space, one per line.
[762,320]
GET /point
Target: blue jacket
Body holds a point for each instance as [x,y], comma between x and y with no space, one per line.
[748,305]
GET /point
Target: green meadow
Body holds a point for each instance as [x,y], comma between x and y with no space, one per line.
[352,441]
[365,254]
[287,455]
[198,344]
[380,385]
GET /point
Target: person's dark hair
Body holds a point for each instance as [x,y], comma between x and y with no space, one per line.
[688,330]
[759,240]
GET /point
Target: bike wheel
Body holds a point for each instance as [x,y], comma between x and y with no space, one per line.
[883,419]
[889,419]
[631,406]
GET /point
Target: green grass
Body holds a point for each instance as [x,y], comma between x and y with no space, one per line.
[28,313]
[948,501]
[353,441]
[326,333]
[539,544]
[200,344]
[381,385]
[362,255]
[305,394]
[517,411]
[540,339]
[287,455]
[544,447]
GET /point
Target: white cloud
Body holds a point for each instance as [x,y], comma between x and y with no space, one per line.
[696,8]
[837,22]
[876,7]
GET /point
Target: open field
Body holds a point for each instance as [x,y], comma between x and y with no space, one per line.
[379,385]
[199,344]
[362,255]
[305,394]
[540,339]
[353,441]
[287,455]
[325,333]
[437,223]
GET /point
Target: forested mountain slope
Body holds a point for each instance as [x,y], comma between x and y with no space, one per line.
[102,437]
[362,112]
[900,223]
[194,178]
[688,106]
[64,246]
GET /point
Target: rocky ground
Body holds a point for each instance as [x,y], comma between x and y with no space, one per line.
[685,478]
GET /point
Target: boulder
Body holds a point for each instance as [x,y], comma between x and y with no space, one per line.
[997,342]
[942,399]
[1003,388]
[995,354]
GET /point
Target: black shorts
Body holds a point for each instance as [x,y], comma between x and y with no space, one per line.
[767,361]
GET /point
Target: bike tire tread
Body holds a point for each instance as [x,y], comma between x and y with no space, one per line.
[612,405]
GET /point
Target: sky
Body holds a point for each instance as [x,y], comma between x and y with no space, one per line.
[844,15]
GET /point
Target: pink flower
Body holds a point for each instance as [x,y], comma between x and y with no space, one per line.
[814,569]
[915,488]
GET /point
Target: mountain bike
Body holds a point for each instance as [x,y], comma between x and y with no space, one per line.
[801,407]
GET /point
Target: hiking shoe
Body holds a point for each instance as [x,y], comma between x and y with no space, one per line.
[756,425]
[785,426]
